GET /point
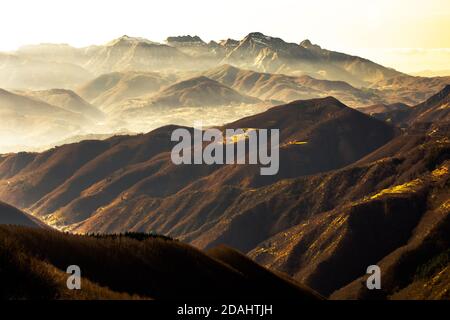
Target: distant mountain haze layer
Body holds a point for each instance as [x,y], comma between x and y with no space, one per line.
[68,100]
[132,54]
[30,121]
[17,72]
[113,88]
[199,91]
[271,54]
[127,84]
[255,51]
[288,88]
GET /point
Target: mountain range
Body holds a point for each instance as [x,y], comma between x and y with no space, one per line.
[86,173]
[307,224]
[129,83]
[256,51]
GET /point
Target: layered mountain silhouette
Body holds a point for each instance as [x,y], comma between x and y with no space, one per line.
[389,208]
[71,66]
[285,88]
[132,79]
[352,191]
[110,177]
[362,180]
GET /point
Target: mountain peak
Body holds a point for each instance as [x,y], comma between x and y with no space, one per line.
[330,103]
[229,43]
[193,82]
[259,37]
[201,79]
[256,35]
[227,67]
[185,40]
[307,44]
[3,91]
[127,40]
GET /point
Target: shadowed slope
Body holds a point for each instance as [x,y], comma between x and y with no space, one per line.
[274,282]
[369,211]
[13,216]
[153,267]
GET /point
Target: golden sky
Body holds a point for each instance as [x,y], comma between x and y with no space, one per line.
[409,35]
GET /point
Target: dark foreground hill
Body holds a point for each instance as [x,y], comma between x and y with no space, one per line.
[34,263]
